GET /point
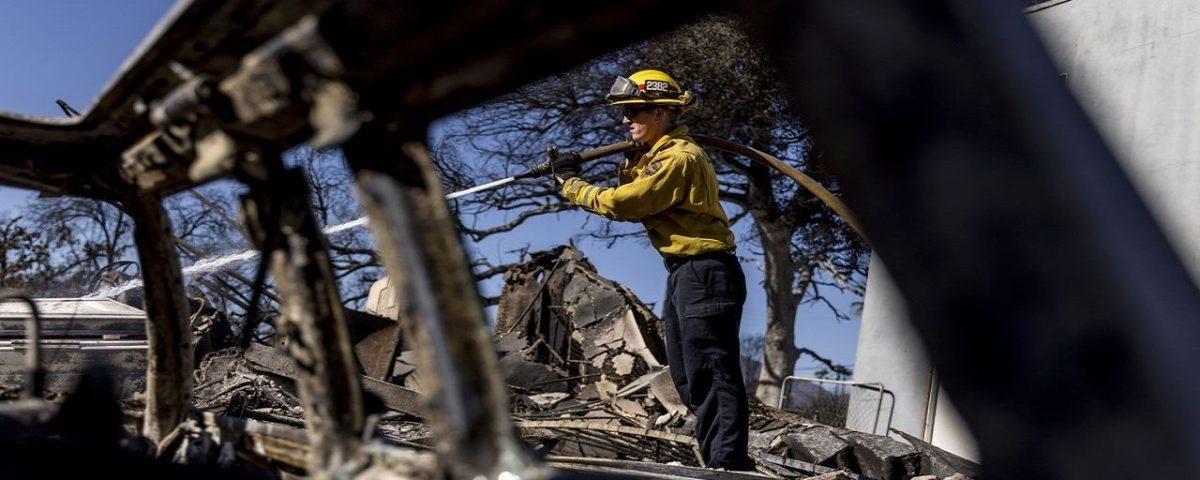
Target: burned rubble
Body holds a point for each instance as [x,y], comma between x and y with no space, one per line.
[584,360]
[221,89]
[588,385]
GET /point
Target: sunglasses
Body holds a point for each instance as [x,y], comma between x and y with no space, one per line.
[631,112]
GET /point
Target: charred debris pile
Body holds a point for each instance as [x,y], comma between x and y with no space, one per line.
[586,365]
[585,362]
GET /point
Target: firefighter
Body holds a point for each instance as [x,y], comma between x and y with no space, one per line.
[672,190]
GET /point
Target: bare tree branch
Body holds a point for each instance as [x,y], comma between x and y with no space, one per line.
[522,217]
[841,370]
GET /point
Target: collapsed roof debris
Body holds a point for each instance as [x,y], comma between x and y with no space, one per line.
[582,357]
[556,311]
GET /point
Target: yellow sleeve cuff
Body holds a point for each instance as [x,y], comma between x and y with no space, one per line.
[571,189]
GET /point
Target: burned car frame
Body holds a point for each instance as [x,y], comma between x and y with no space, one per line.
[994,202]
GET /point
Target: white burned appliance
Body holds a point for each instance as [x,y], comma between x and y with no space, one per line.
[75,332]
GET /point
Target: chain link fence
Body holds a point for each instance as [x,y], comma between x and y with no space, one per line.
[865,407]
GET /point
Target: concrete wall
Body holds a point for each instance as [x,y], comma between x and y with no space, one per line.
[1135,67]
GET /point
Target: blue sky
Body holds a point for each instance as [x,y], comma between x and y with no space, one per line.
[69,49]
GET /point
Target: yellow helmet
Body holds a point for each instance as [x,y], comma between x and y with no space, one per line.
[652,87]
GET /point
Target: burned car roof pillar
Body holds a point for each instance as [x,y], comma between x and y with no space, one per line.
[312,322]
[168,330]
[439,304]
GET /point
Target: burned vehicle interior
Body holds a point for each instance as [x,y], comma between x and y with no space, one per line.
[971,168]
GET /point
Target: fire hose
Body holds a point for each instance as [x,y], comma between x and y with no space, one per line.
[557,160]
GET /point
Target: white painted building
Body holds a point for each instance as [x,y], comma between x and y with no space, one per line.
[1135,68]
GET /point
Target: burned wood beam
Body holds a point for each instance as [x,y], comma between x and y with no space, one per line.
[377,342]
[288,445]
[610,466]
[601,444]
[808,467]
[575,426]
[583,425]
[168,331]
[394,397]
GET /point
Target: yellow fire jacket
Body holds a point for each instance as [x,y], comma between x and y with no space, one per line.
[672,190]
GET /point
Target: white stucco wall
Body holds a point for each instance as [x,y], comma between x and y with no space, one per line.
[1135,68]
[890,352]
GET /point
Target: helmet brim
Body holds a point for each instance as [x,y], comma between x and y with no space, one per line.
[666,102]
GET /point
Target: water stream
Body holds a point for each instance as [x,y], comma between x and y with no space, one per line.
[209,265]
[214,264]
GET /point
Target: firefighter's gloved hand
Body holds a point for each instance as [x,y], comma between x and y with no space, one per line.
[566,165]
[567,172]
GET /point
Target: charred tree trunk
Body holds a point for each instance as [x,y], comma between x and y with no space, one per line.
[779,347]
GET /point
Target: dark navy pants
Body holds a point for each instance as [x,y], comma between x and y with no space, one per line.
[702,311]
